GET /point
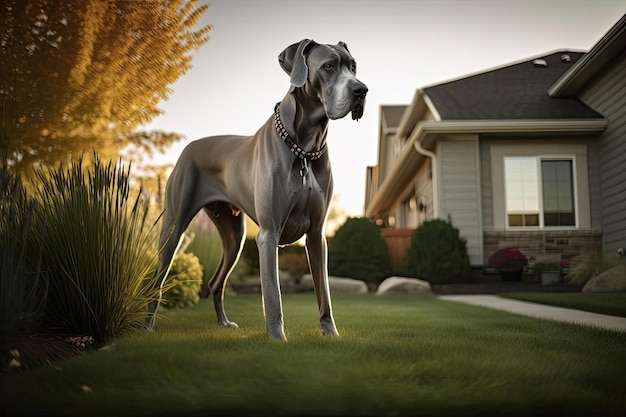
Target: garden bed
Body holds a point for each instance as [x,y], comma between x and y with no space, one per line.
[500,287]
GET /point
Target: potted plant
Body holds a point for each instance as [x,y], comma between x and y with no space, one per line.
[509,262]
[549,272]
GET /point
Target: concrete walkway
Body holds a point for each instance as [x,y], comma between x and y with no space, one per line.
[541,311]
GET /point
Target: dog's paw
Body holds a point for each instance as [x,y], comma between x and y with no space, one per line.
[278,337]
[328,328]
[228,323]
[276,332]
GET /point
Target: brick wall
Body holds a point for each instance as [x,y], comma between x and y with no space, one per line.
[569,244]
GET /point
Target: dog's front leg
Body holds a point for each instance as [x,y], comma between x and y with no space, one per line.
[267,243]
[317,255]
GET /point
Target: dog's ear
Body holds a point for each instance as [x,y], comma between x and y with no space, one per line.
[293,61]
[344,45]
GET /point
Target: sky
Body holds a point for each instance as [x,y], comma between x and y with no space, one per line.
[399,45]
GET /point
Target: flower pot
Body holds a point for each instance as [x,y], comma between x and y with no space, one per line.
[511,276]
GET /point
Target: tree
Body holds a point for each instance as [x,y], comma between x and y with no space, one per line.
[78,75]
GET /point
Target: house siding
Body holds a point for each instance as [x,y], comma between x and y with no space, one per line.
[607,95]
[486,196]
[422,191]
[460,192]
[595,192]
[387,158]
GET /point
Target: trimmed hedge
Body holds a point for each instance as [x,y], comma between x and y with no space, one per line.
[358,251]
[437,253]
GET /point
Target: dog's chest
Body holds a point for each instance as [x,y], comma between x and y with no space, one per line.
[308,213]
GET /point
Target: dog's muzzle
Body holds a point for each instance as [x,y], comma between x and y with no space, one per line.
[359,91]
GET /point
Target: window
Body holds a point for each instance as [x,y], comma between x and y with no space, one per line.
[539,192]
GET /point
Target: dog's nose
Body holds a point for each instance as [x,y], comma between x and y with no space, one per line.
[359,89]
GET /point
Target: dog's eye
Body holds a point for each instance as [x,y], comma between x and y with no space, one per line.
[329,67]
[353,68]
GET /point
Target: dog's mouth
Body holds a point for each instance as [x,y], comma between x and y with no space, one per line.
[358,109]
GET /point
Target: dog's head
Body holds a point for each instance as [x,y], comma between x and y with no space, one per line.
[327,72]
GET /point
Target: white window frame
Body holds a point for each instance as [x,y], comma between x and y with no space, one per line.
[539,159]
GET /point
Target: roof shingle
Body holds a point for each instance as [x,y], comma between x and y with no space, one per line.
[518,91]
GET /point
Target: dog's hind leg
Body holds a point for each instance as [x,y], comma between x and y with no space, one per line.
[170,240]
[230,224]
[179,212]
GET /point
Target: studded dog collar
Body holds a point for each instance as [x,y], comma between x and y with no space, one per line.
[293,147]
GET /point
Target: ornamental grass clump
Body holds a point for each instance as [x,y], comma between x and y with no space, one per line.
[98,250]
[591,265]
[22,288]
[437,253]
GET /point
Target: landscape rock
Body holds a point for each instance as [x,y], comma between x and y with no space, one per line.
[613,280]
[337,285]
[402,285]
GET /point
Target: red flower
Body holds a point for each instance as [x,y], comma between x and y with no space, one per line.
[507,259]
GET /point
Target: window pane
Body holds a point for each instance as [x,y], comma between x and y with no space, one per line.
[516,220]
[531,220]
[522,191]
[558,193]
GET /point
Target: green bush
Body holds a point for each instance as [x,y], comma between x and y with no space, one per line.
[358,251]
[22,289]
[437,253]
[98,250]
[588,267]
[185,281]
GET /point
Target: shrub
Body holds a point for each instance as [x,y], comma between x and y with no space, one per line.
[437,253]
[185,281]
[97,250]
[22,290]
[588,267]
[358,251]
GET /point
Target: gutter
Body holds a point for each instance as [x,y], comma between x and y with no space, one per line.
[390,190]
[435,177]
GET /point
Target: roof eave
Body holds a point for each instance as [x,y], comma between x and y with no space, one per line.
[402,171]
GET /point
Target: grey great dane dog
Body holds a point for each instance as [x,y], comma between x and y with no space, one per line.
[280,177]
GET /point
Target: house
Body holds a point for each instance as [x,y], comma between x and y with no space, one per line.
[531,154]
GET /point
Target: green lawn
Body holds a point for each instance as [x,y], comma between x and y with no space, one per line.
[603,303]
[397,355]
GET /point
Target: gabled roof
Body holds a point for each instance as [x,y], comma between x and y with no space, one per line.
[392,115]
[514,92]
[611,45]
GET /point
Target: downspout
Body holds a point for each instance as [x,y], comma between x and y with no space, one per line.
[433,168]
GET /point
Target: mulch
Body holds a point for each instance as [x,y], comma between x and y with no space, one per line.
[41,349]
[500,287]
